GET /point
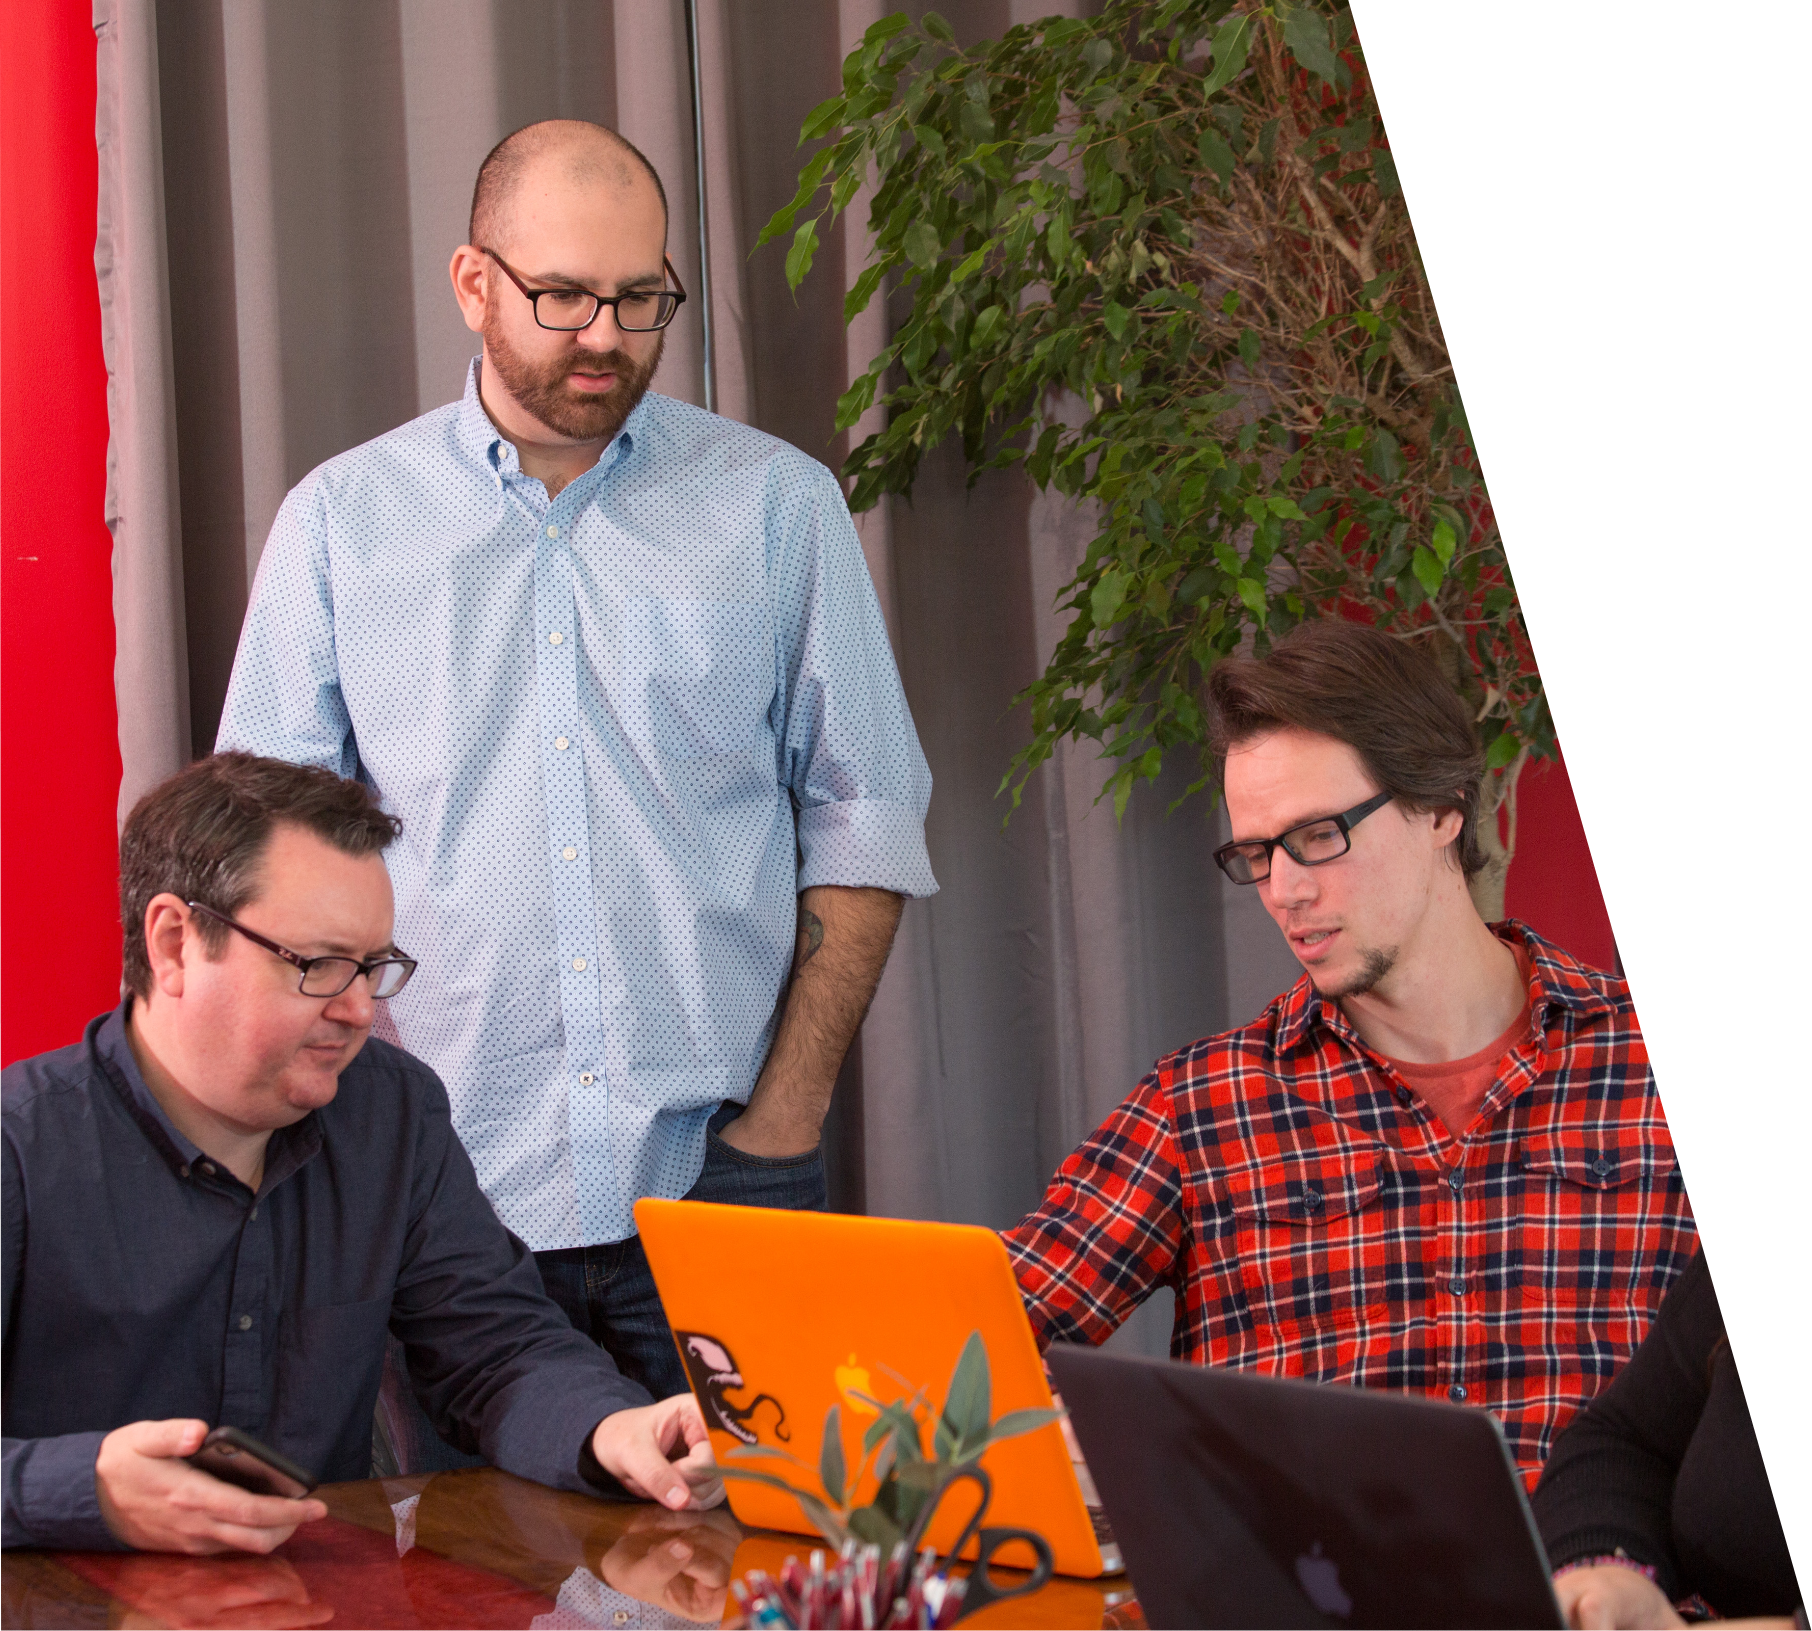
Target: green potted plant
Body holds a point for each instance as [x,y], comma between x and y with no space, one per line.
[1160,259]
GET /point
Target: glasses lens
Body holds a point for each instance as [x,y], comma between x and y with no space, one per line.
[328,976]
[1244,863]
[565,309]
[389,978]
[638,313]
[1316,841]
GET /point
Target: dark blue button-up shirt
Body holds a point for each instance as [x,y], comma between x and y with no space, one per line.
[144,1281]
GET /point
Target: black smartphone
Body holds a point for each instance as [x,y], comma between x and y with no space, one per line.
[235,1457]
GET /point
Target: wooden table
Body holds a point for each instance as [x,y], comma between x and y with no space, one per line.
[459,1549]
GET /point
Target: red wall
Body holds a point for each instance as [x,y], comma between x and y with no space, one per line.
[59,742]
[1553,886]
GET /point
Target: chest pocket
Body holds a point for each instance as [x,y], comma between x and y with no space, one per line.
[1301,1227]
[1588,1212]
[690,678]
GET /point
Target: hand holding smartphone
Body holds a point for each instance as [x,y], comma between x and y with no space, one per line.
[235,1457]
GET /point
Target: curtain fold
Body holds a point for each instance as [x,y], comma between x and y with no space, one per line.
[143,503]
[283,182]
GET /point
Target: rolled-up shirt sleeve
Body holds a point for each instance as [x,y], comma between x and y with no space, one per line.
[849,752]
[285,699]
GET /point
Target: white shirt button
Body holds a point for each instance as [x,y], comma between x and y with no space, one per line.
[555,638]
[208,1168]
[569,853]
[245,1322]
[585,1078]
[560,743]
[579,965]
[553,532]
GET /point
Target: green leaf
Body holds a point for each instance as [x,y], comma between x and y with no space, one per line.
[1285,507]
[935,26]
[986,322]
[1106,599]
[932,141]
[856,301]
[1016,1422]
[967,1404]
[823,1519]
[830,1456]
[799,257]
[1253,594]
[1426,568]
[922,244]
[1248,348]
[1306,34]
[1114,318]
[1444,542]
[1232,40]
[1384,172]
[1502,751]
[1216,154]
[872,1526]
[823,118]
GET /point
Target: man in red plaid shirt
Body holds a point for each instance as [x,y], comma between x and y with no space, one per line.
[1437,1162]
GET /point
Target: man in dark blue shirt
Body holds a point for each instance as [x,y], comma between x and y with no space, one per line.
[219,1200]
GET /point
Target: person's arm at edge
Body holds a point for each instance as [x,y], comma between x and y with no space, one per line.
[502,1366]
[1110,1229]
[852,761]
[1607,1487]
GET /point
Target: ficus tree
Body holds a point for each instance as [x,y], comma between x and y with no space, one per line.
[1160,258]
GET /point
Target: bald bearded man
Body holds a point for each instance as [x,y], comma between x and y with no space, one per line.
[617,665]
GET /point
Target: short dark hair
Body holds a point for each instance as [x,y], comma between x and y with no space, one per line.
[202,833]
[506,163]
[1384,697]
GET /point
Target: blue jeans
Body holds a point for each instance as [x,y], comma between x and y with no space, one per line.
[608,1292]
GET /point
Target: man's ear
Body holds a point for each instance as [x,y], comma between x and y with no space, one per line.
[467,269]
[168,926]
[1446,826]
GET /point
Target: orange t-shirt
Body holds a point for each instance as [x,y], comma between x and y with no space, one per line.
[1455,1088]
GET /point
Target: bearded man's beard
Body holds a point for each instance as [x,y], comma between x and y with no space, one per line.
[541,388]
[1374,965]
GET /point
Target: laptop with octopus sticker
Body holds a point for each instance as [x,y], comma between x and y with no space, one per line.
[778,1315]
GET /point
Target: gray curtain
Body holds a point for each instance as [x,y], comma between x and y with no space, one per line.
[283,182]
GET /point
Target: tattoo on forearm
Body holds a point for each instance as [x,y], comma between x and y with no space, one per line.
[811,938]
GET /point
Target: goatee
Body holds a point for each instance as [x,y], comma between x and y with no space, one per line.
[541,389]
[1373,966]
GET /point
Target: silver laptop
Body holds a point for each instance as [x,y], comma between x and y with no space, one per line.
[1245,1501]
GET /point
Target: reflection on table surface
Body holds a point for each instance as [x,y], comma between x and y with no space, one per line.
[459,1549]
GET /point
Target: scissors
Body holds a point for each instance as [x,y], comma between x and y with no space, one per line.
[982,1588]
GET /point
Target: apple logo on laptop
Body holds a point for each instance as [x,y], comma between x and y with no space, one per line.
[1319,1577]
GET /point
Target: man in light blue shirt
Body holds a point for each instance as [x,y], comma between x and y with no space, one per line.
[618,666]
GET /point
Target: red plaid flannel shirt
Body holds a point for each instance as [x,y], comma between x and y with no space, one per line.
[1315,1220]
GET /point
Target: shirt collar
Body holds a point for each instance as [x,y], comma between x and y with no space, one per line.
[289,1147]
[486,443]
[1558,981]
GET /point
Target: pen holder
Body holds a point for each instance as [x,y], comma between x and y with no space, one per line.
[858,1589]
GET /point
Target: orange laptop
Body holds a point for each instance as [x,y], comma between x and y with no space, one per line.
[779,1315]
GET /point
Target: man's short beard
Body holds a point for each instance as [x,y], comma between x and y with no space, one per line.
[1374,965]
[541,389]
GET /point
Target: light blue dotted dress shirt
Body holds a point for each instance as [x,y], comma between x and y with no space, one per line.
[622,728]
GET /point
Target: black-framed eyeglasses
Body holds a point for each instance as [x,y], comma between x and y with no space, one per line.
[327,976]
[567,310]
[1314,843]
